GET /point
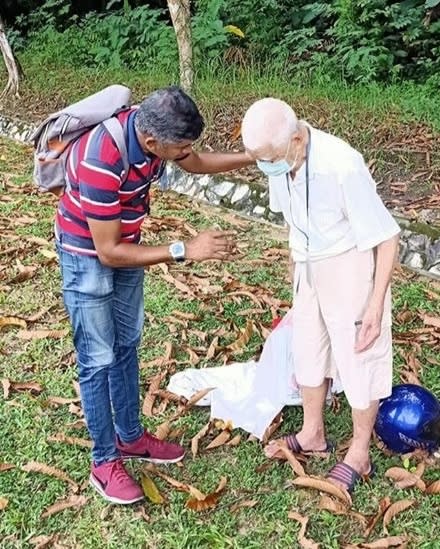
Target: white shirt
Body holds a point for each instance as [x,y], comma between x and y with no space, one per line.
[344,208]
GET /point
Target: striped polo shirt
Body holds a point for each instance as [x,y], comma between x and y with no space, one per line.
[98,189]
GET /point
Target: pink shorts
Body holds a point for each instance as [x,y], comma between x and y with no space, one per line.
[325,314]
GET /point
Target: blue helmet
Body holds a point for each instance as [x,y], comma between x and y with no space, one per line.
[409,419]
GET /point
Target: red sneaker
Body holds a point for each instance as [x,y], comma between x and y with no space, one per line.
[150,448]
[112,481]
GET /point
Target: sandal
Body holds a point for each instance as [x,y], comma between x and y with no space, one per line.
[296,448]
[344,474]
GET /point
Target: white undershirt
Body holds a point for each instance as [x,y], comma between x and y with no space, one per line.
[344,208]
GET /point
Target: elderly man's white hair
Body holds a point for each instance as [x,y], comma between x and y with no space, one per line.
[268,124]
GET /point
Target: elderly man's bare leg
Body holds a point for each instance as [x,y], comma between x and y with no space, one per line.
[357,465]
[363,424]
[311,438]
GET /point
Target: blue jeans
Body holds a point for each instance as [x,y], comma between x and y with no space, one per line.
[106,310]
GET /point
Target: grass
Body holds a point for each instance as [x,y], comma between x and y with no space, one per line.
[28,420]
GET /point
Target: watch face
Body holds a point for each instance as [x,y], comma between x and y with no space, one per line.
[178,251]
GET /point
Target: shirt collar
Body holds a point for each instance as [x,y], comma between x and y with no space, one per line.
[136,155]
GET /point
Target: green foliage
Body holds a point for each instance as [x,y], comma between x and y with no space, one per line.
[128,37]
[366,40]
[208,33]
[357,40]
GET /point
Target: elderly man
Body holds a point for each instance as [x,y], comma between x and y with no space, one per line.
[102,264]
[343,243]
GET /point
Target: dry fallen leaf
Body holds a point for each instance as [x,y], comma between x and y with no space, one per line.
[65,439]
[249,503]
[199,395]
[185,316]
[196,439]
[71,501]
[61,401]
[6,467]
[431,320]
[323,486]
[31,386]
[194,358]
[304,542]
[384,543]
[168,395]
[326,503]
[41,542]
[6,384]
[150,490]
[12,321]
[384,503]
[36,467]
[163,430]
[212,349]
[297,468]
[219,440]
[234,441]
[3,503]
[42,334]
[209,501]
[404,479]
[273,427]
[394,509]
[150,397]
[76,410]
[243,339]
[433,488]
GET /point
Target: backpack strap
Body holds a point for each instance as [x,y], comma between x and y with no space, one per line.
[119,135]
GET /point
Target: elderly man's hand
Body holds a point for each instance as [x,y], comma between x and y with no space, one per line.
[370,327]
[211,245]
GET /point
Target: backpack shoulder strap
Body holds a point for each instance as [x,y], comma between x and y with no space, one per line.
[118,133]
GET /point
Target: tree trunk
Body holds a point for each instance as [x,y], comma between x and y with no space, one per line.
[181,18]
[11,65]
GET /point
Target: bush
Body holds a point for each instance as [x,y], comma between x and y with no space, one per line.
[358,40]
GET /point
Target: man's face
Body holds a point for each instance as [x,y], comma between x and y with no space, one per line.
[288,154]
[168,151]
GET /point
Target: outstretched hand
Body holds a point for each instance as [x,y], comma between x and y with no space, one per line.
[211,245]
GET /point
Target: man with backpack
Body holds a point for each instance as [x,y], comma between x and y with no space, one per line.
[97,229]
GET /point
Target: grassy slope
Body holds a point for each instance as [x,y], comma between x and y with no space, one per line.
[395,127]
[27,420]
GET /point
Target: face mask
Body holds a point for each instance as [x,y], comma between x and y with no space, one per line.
[281,167]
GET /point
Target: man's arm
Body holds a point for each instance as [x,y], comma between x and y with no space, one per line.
[214,162]
[386,253]
[114,253]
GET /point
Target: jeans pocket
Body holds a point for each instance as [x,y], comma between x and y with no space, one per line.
[85,275]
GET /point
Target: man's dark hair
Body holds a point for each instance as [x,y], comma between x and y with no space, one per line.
[170,116]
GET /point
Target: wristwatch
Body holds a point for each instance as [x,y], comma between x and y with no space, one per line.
[177,251]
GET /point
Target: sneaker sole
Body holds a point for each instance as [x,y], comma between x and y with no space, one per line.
[153,460]
[111,499]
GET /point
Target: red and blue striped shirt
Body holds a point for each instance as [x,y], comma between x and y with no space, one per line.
[97,187]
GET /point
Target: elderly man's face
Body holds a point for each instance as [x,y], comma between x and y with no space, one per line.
[284,158]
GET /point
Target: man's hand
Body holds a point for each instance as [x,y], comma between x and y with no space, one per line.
[370,328]
[210,245]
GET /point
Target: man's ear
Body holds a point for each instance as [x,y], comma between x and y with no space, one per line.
[296,138]
[151,144]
